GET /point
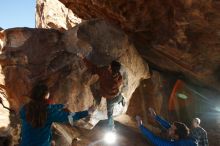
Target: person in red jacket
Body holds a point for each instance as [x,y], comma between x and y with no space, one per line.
[110,80]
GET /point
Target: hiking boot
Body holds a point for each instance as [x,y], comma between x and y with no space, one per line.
[122,101]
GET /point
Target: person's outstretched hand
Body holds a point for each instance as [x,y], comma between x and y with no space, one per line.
[152,112]
[139,121]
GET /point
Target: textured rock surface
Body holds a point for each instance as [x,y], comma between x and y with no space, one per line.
[148,94]
[53,14]
[176,36]
[4,117]
[31,55]
[179,36]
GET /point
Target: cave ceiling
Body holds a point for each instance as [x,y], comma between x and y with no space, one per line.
[180,36]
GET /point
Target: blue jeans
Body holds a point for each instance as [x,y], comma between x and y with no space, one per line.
[110,103]
[110,107]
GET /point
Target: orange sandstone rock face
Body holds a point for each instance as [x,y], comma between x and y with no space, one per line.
[180,37]
[53,14]
[31,55]
[175,35]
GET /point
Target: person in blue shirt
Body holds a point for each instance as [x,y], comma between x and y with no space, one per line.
[178,132]
[37,117]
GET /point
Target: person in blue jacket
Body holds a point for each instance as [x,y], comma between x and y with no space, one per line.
[37,117]
[178,132]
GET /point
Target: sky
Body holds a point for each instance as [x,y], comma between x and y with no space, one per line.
[17,13]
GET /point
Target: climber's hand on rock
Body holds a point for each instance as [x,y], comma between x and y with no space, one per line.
[139,121]
[152,112]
